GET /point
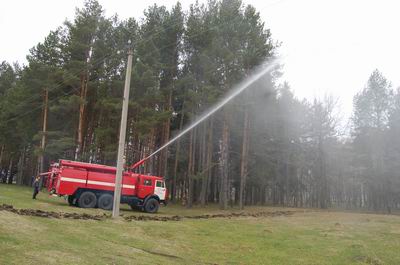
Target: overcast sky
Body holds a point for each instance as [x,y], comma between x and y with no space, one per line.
[329,47]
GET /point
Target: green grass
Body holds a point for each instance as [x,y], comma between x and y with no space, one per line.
[306,237]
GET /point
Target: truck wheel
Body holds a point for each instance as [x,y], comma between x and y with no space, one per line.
[151,206]
[87,200]
[71,200]
[106,201]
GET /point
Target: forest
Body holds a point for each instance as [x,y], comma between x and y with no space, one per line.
[267,147]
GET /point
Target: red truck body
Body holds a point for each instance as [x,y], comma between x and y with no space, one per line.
[92,185]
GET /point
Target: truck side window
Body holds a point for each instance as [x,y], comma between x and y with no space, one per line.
[147,182]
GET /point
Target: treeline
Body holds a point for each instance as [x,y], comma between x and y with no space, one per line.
[266,147]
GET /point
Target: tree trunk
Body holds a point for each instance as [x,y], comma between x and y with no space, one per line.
[216,185]
[150,148]
[206,184]
[178,149]
[9,173]
[244,159]
[323,187]
[202,163]
[1,156]
[210,166]
[190,172]
[223,197]
[252,195]
[21,164]
[166,135]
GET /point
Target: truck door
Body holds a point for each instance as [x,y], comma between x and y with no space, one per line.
[160,189]
[145,188]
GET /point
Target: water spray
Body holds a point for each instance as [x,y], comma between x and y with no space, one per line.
[235,92]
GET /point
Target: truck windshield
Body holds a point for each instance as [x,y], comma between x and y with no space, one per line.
[160,184]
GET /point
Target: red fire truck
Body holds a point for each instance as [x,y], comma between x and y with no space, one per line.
[92,185]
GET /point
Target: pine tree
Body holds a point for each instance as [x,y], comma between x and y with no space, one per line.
[372,108]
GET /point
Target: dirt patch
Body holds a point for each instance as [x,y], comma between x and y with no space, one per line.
[85,216]
[368,260]
[241,214]
[207,216]
[152,218]
[51,214]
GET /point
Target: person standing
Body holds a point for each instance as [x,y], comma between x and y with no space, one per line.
[36,184]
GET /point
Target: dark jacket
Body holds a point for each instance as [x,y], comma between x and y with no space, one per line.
[36,183]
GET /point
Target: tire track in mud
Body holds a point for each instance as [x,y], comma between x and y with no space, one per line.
[209,216]
[51,214]
[104,216]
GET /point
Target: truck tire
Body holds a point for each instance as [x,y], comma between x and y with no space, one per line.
[106,201]
[151,206]
[87,200]
[71,200]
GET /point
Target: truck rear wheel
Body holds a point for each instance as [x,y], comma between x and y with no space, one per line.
[71,200]
[106,201]
[87,200]
[151,206]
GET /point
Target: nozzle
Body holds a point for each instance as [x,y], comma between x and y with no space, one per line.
[139,163]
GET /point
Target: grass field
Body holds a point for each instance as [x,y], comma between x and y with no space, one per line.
[304,237]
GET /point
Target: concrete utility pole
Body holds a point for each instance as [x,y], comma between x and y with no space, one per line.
[122,134]
[44,132]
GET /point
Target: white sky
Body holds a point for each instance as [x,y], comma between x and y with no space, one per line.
[329,47]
